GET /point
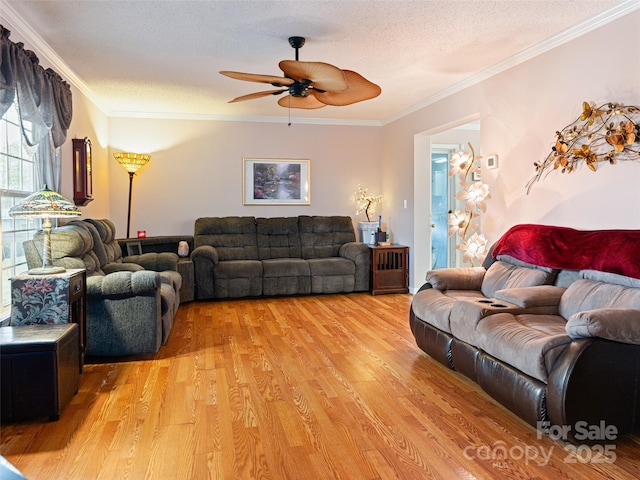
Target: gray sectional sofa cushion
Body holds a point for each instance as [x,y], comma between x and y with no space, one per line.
[248,257]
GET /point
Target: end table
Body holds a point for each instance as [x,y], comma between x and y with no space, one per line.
[389,269]
[51,299]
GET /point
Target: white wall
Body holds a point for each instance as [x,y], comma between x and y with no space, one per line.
[519,111]
[196,169]
[88,121]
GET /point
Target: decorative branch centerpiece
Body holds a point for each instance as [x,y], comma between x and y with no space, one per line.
[461,222]
[607,133]
[366,202]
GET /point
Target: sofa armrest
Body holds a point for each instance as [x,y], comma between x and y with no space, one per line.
[353,250]
[157,262]
[528,297]
[205,253]
[360,254]
[469,278]
[124,284]
[595,382]
[617,324]
[204,258]
[113,267]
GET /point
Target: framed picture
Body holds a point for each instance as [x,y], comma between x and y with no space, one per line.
[134,248]
[492,161]
[276,181]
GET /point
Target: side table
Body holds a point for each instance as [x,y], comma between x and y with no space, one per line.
[389,269]
[51,299]
[38,370]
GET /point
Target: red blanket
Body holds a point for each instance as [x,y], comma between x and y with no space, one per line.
[613,251]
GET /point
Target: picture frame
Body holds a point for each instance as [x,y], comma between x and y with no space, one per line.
[492,162]
[134,248]
[276,181]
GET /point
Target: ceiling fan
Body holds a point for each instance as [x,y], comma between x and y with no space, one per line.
[310,84]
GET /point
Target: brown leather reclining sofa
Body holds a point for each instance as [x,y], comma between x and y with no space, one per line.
[553,335]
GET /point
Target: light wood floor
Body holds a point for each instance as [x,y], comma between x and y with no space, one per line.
[325,387]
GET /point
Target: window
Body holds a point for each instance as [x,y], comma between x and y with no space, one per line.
[17,181]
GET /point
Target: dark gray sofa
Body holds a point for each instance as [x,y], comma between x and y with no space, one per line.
[131,301]
[248,257]
[549,327]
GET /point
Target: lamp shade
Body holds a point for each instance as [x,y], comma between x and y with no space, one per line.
[132,162]
[44,203]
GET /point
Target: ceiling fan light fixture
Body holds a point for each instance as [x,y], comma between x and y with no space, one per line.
[310,84]
[299,90]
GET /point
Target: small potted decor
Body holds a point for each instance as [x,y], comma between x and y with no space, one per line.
[367,203]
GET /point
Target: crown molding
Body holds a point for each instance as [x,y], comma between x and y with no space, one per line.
[245,118]
[568,35]
[22,28]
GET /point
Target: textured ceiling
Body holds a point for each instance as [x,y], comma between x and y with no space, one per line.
[163,57]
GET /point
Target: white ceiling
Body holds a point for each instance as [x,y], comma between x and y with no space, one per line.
[161,58]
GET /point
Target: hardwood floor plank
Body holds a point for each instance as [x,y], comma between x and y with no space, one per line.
[317,387]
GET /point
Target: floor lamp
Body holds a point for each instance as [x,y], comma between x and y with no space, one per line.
[45,204]
[131,162]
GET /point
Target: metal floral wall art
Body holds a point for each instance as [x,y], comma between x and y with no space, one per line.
[607,133]
[461,222]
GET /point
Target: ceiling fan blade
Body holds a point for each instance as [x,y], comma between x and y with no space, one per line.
[251,96]
[308,103]
[359,89]
[324,76]
[252,77]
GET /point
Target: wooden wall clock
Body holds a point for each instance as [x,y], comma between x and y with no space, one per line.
[82,171]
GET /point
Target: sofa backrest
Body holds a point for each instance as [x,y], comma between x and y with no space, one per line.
[322,237]
[233,237]
[597,290]
[507,273]
[72,246]
[107,231]
[278,237]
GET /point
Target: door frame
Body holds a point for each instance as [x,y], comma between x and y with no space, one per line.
[420,257]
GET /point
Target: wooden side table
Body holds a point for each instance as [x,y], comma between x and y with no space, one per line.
[38,370]
[51,299]
[389,269]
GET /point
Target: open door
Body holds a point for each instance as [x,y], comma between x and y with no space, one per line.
[442,201]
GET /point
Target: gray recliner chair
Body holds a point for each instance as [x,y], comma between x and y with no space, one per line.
[131,301]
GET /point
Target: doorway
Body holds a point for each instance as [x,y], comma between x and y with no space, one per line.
[443,190]
[455,133]
[441,205]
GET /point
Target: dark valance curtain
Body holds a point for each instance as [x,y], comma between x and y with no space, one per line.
[44,101]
